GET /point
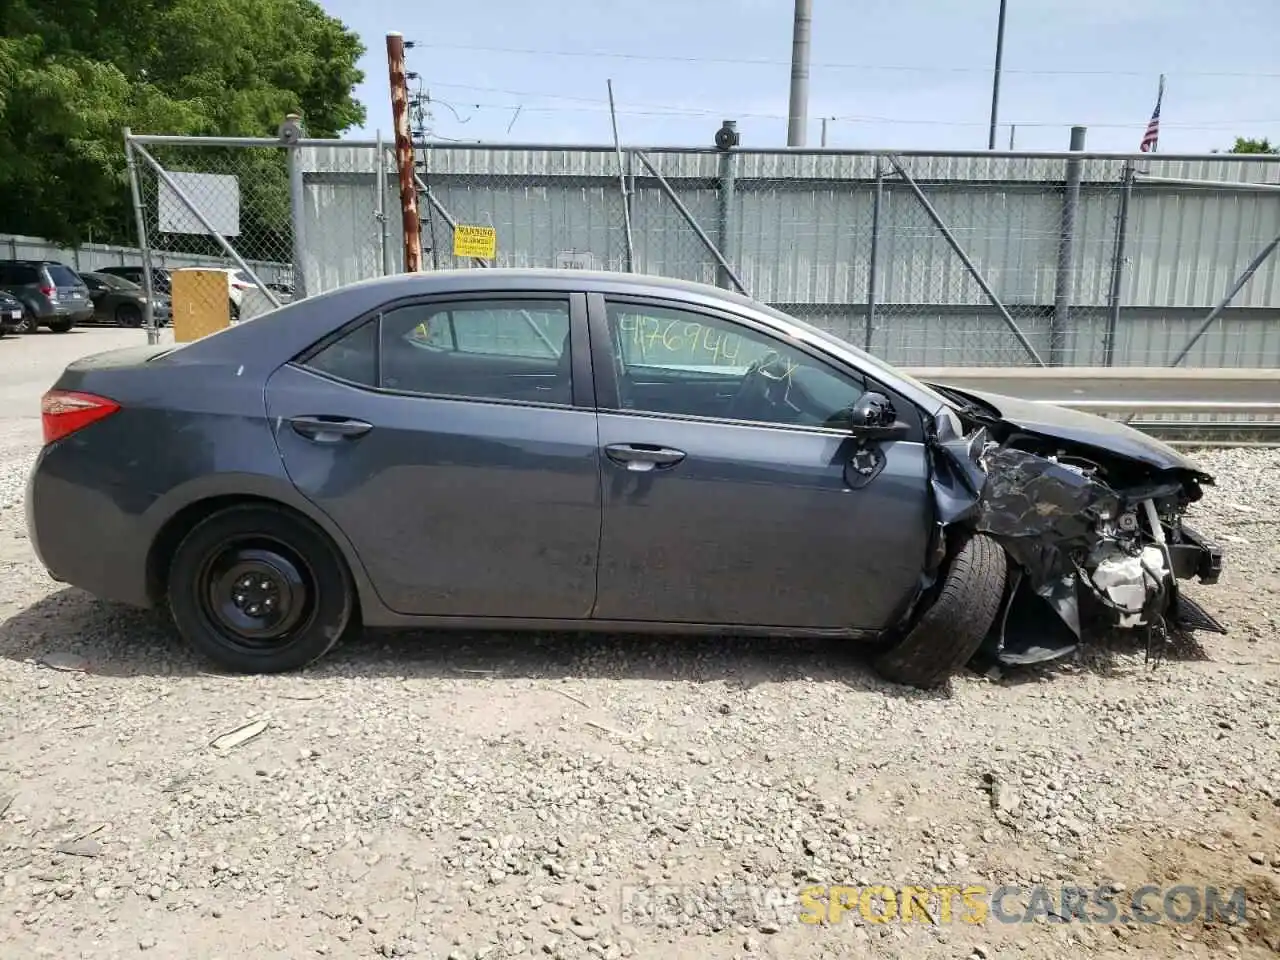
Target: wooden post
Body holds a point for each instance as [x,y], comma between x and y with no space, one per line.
[404,154]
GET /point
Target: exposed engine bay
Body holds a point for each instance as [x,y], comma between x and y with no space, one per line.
[1096,535]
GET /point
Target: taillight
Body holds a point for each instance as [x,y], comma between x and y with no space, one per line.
[63,412]
[49,291]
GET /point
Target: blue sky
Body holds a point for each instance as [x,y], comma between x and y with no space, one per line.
[896,73]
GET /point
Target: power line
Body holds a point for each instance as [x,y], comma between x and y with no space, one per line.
[594,105]
[897,68]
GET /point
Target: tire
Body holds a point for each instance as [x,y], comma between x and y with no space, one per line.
[29,323]
[952,629]
[234,310]
[60,326]
[127,315]
[228,618]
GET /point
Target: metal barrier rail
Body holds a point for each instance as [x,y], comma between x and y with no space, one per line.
[1185,407]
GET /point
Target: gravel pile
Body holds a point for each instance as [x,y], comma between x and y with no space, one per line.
[467,796]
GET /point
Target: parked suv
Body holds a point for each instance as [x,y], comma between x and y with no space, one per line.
[52,294]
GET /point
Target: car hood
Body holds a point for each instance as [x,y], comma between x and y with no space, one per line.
[1062,423]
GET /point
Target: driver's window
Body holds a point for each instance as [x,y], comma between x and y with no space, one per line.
[695,365]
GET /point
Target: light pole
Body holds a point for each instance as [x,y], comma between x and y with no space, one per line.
[995,79]
[798,113]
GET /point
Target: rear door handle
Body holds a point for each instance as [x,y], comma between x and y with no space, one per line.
[643,456]
[329,429]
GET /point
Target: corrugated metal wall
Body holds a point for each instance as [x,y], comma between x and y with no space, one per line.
[799,233]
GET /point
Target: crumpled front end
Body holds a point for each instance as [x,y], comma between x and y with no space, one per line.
[1097,539]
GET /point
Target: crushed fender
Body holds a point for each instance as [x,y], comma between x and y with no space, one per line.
[1095,536]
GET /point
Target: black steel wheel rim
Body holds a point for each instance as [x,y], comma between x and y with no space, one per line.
[257,593]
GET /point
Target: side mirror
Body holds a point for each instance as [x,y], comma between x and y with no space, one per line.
[872,417]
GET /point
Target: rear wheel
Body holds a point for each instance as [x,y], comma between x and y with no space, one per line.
[258,590]
[29,323]
[127,315]
[952,629]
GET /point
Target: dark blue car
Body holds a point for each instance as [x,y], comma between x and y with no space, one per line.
[569,449]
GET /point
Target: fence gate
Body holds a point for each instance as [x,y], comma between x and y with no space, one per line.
[235,205]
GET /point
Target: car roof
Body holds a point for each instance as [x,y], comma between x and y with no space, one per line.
[480,280]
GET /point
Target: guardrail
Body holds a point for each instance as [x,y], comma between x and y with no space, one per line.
[1192,407]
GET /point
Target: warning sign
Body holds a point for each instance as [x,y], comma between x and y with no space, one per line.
[475,241]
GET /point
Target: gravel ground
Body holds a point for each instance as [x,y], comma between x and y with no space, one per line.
[470,795]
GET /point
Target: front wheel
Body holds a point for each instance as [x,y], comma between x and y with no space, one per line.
[257,590]
[951,630]
[60,326]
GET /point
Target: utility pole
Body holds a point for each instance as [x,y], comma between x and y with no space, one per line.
[824,131]
[798,115]
[995,79]
[404,154]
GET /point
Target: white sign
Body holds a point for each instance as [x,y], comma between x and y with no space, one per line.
[215,195]
[575,261]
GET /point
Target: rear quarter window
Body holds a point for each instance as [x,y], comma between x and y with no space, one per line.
[353,358]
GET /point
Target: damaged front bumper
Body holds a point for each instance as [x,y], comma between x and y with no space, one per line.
[1096,538]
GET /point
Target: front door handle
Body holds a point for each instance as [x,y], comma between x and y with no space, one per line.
[329,429]
[643,456]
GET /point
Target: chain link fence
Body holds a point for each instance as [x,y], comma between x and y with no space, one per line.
[950,260]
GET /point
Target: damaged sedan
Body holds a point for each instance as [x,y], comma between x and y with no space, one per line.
[576,450]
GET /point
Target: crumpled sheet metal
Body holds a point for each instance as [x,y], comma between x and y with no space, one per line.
[1029,496]
[1039,510]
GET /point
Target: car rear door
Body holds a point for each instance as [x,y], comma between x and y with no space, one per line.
[454,441]
[720,509]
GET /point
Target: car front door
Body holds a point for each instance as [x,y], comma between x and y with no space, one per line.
[728,497]
[454,441]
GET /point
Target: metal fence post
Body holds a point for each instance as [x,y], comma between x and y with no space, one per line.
[1064,285]
[629,266]
[380,178]
[148,292]
[872,261]
[724,204]
[1116,291]
[964,259]
[297,214]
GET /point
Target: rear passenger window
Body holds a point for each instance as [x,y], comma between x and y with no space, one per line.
[512,350]
[484,349]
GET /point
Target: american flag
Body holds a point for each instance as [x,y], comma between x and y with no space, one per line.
[1152,136]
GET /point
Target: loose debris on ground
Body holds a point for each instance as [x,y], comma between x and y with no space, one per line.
[468,796]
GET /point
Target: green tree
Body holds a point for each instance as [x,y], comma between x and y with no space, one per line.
[1245,145]
[74,73]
